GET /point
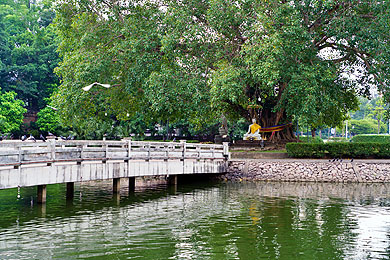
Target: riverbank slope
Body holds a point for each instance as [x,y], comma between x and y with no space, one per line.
[368,171]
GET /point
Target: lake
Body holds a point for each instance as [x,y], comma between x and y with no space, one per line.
[205,220]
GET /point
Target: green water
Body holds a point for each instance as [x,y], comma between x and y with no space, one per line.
[199,221]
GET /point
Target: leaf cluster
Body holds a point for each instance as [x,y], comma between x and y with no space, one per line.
[28,51]
[11,112]
[339,150]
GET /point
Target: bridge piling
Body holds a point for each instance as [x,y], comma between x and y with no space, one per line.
[172,180]
[116,182]
[41,198]
[69,190]
[131,184]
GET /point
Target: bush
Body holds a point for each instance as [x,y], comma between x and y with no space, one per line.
[316,139]
[48,120]
[371,139]
[338,150]
[192,141]
[305,150]
[338,139]
[366,126]
[11,112]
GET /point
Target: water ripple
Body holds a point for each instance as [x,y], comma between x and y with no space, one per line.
[222,221]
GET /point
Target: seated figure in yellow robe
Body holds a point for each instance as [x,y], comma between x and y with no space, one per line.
[253,131]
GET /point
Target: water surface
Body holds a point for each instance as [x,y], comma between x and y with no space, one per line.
[199,221]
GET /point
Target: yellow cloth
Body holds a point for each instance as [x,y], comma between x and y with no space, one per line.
[254,127]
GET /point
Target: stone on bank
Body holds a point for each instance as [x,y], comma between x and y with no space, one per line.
[304,170]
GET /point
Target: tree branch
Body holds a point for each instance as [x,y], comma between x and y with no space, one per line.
[317,23]
[243,112]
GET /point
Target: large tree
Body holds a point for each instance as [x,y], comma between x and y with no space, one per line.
[28,50]
[195,59]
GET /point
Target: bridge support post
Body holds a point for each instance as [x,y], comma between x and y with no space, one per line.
[41,194]
[131,184]
[116,182]
[172,184]
[69,190]
[172,180]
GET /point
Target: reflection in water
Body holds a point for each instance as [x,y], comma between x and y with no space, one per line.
[203,221]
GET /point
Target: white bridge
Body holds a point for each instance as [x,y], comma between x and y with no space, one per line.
[40,163]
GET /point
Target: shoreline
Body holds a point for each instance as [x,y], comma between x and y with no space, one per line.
[309,170]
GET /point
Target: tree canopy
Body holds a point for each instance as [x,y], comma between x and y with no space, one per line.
[11,112]
[28,51]
[195,59]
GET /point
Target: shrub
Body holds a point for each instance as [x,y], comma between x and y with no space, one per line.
[48,120]
[338,150]
[192,141]
[338,139]
[366,126]
[316,139]
[371,138]
[11,112]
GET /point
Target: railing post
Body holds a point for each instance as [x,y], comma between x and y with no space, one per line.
[166,151]
[82,153]
[105,150]
[128,149]
[184,147]
[166,158]
[148,146]
[52,149]
[226,150]
[128,158]
[19,154]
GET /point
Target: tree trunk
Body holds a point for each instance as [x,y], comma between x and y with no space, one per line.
[269,118]
[379,125]
[313,132]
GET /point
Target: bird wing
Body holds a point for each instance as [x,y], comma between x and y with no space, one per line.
[89,86]
[104,85]
[96,83]
[55,109]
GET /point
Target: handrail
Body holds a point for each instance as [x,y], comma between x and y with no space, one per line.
[17,153]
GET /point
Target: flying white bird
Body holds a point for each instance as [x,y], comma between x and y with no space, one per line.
[96,83]
[55,109]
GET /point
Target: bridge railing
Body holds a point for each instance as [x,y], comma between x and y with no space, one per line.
[18,153]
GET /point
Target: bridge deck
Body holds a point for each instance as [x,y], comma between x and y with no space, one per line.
[39,163]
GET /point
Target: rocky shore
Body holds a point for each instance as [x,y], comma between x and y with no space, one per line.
[309,171]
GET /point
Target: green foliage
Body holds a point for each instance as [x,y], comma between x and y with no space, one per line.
[238,128]
[195,59]
[371,139]
[11,112]
[28,51]
[338,139]
[305,150]
[366,126]
[48,120]
[316,139]
[371,108]
[338,150]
